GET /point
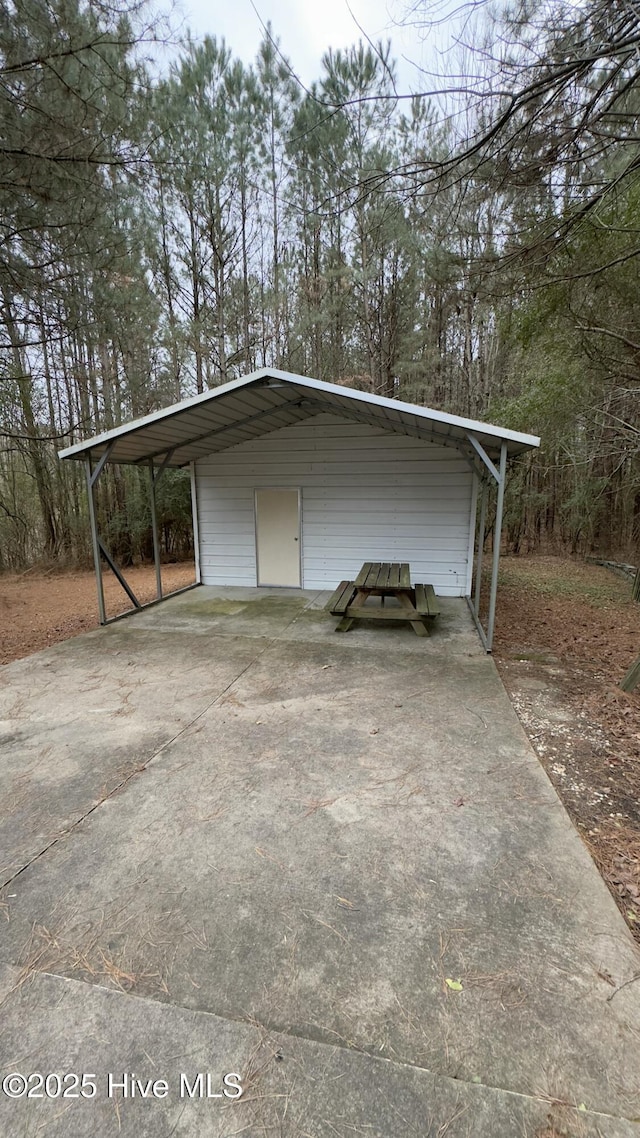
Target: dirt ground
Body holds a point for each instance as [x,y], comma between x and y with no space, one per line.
[38,609]
[566,633]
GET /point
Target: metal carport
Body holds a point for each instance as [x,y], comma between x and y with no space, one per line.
[269,399]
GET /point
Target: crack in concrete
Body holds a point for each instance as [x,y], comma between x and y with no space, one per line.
[288,1033]
[143,766]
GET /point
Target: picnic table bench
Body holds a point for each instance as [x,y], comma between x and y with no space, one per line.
[417,603]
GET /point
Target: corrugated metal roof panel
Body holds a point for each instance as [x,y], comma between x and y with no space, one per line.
[269,399]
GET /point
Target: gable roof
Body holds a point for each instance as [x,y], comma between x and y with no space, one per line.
[269,399]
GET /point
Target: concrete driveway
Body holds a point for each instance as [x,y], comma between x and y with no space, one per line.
[235,842]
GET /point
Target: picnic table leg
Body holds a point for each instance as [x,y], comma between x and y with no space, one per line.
[347,621]
[418,625]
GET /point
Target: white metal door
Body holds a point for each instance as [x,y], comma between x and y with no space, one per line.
[278,537]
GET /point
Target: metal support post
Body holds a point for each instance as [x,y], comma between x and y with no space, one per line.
[154,529]
[94,539]
[481,632]
[497,533]
[479,555]
[194,516]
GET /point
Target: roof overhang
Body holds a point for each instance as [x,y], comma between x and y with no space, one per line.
[269,399]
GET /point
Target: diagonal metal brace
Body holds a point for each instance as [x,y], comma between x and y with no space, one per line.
[101,464]
[114,569]
[479,449]
[157,474]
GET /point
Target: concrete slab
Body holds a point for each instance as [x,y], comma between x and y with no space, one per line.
[78,719]
[324,831]
[290,1085]
[292,614]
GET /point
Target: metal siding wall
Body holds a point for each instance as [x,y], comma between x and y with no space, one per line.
[367,495]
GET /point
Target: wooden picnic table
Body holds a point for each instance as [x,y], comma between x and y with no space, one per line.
[384,579]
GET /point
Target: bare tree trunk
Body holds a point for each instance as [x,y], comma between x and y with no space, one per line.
[33,443]
[195,300]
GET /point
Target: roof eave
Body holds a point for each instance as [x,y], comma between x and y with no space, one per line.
[519,441]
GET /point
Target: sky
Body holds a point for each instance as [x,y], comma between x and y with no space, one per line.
[306,29]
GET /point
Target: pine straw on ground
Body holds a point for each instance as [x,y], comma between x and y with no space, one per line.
[42,608]
[572,628]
